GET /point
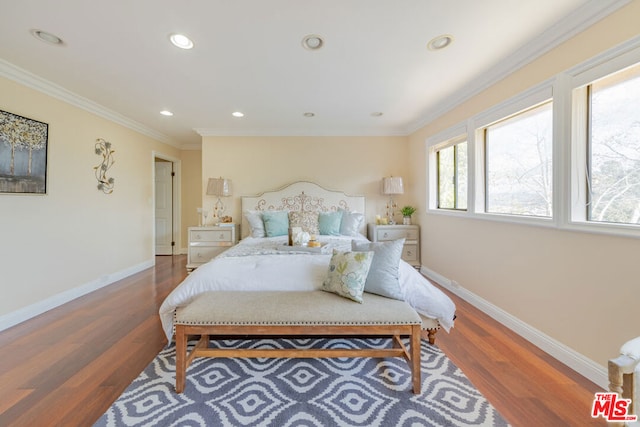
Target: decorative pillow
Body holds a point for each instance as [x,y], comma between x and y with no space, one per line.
[329,223]
[254,218]
[307,220]
[276,223]
[351,223]
[384,272]
[347,274]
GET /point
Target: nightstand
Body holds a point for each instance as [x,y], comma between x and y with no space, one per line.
[207,242]
[411,234]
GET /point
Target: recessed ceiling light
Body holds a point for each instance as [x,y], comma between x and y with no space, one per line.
[46,37]
[237,114]
[166,113]
[181,41]
[309,114]
[312,42]
[440,42]
[376,114]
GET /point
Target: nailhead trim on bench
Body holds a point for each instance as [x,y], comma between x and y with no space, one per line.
[326,323]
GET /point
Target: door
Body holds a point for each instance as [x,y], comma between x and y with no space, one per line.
[164,207]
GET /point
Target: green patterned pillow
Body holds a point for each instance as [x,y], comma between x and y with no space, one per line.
[348,273]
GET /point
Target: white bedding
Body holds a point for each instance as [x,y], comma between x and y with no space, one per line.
[255,264]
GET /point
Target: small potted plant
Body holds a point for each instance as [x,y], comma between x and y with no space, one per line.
[407,211]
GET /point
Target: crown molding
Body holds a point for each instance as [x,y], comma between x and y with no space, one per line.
[33,81]
[293,132]
[563,30]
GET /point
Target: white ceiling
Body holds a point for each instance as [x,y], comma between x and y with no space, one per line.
[117,59]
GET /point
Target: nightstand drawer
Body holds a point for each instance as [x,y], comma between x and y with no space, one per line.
[395,234]
[207,242]
[202,254]
[210,236]
[410,253]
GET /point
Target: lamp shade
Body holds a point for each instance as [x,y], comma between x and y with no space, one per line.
[392,185]
[219,187]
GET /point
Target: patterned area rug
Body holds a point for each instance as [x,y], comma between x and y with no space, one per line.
[302,392]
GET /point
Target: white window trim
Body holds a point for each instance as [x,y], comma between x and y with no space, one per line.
[526,100]
[448,137]
[573,86]
[569,190]
[537,95]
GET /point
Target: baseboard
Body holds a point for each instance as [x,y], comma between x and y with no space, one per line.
[33,310]
[574,360]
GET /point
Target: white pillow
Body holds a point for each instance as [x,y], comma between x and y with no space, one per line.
[351,223]
[254,218]
[384,272]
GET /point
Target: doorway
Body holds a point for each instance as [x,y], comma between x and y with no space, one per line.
[166,205]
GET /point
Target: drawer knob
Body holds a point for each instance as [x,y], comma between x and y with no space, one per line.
[221,236]
[409,253]
[385,234]
[198,237]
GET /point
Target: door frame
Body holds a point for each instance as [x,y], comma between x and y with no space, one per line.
[177,200]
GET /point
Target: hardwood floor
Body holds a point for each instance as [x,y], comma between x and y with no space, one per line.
[526,385]
[66,367]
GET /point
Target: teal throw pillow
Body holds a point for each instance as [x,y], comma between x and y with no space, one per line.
[347,274]
[329,223]
[276,223]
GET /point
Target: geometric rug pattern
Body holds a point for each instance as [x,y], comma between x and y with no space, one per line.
[302,392]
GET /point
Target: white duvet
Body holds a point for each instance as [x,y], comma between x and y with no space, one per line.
[256,264]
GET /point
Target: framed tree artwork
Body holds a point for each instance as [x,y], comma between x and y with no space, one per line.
[23,154]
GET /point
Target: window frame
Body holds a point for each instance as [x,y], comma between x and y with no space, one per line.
[527,100]
[483,132]
[445,139]
[576,87]
[453,143]
[566,90]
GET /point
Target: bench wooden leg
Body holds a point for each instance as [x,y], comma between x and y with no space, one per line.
[181,358]
[415,359]
[432,335]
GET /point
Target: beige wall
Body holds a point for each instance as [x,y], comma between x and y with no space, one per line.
[355,165]
[580,289]
[75,236]
[191,190]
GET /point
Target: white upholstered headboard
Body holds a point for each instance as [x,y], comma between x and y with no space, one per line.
[302,196]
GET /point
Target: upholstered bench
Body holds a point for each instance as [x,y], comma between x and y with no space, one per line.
[229,313]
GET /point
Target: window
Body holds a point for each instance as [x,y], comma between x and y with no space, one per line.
[452,176]
[613,148]
[518,163]
[501,164]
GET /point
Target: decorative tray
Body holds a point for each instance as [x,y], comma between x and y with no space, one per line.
[303,248]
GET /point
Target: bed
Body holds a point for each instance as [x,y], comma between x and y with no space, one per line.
[263,261]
